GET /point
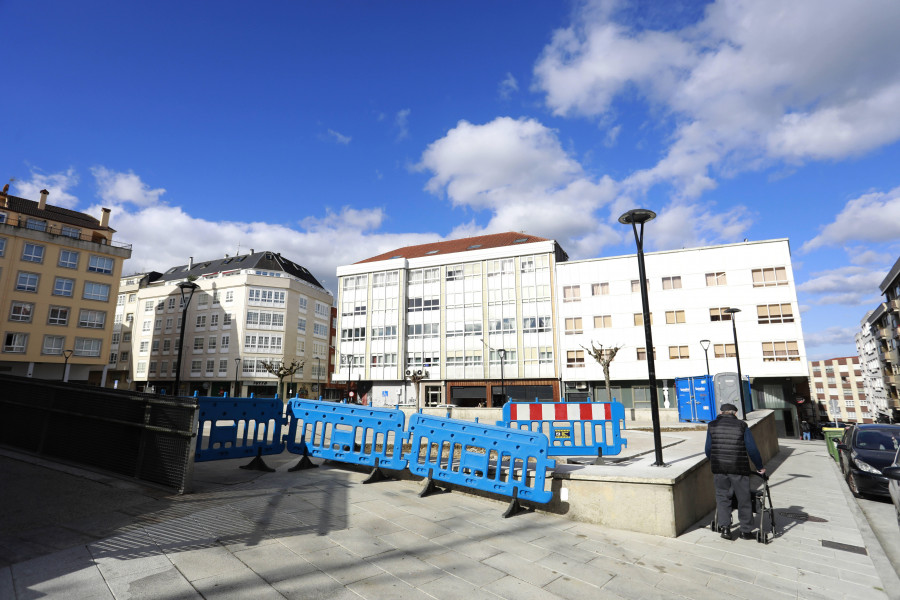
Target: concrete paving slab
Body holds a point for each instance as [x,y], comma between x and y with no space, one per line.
[166,583]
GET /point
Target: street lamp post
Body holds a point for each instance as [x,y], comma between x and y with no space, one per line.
[187,292]
[349,362]
[705,345]
[67,354]
[635,217]
[319,376]
[502,353]
[737,355]
[237,367]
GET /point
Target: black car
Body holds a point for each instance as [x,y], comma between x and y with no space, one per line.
[865,451]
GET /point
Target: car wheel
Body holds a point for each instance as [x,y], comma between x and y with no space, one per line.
[851,483]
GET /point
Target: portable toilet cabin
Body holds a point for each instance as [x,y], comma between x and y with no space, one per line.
[727,392]
[696,399]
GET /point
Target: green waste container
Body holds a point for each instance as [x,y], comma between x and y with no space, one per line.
[832,436]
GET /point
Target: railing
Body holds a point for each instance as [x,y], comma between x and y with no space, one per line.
[57,230]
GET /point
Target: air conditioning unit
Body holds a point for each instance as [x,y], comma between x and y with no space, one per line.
[581,386]
[410,372]
[425,374]
[420,372]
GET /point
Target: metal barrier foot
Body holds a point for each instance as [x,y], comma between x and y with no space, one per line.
[599,460]
[258,464]
[376,475]
[430,487]
[514,507]
[304,464]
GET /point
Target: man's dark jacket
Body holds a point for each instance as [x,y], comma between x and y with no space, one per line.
[727,449]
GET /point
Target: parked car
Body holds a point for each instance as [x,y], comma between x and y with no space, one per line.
[865,451]
[893,474]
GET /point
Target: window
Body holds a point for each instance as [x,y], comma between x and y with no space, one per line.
[53,345]
[320,330]
[602,321]
[572,293]
[223,366]
[154,346]
[211,343]
[321,310]
[93,319]
[201,321]
[2,242]
[195,367]
[198,344]
[677,352]
[15,342]
[33,253]
[301,325]
[115,339]
[724,350]
[123,356]
[636,285]
[167,346]
[213,320]
[714,279]
[229,296]
[210,365]
[58,315]
[536,324]
[145,326]
[574,359]
[132,297]
[642,354]
[674,316]
[21,311]
[129,317]
[780,351]
[149,305]
[223,347]
[171,304]
[719,314]
[639,319]
[28,282]
[72,232]
[36,224]
[769,277]
[774,313]
[87,347]
[573,325]
[126,337]
[100,264]
[96,291]
[226,320]
[145,345]
[600,289]
[671,283]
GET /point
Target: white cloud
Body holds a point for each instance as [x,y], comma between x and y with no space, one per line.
[518,171]
[340,138]
[845,285]
[687,225]
[508,86]
[116,188]
[860,255]
[753,83]
[401,122]
[873,217]
[831,336]
[57,184]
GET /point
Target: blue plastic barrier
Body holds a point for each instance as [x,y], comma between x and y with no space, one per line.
[363,435]
[239,427]
[484,457]
[574,429]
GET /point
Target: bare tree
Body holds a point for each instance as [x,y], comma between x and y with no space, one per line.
[604,356]
[282,370]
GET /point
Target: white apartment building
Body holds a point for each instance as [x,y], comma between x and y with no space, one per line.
[838,384]
[688,293]
[867,348]
[465,322]
[249,309]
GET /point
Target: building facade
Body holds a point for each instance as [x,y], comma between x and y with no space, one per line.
[59,275]
[838,386]
[465,322]
[248,310]
[878,345]
[689,291]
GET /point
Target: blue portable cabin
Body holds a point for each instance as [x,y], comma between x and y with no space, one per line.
[696,399]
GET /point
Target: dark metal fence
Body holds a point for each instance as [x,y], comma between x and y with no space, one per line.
[144,436]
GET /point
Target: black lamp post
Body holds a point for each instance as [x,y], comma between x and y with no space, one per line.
[237,366]
[187,292]
[67,354]
[502,353]
[635,217]
[319,376]
[705,345]
[349,362]
[737,355]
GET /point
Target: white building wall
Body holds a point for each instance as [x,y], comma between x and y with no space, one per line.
[695,299]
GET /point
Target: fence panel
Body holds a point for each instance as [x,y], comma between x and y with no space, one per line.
[238,428]
[573,429]
[484,457]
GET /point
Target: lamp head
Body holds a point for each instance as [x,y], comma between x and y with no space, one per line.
[732,311]
[189,287]
[704,344]
[68,353]
[637,215]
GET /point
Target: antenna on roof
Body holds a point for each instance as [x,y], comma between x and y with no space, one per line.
[238,250]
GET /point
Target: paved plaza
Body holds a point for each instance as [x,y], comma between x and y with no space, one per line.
[321,533]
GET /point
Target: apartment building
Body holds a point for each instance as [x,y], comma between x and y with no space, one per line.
[466,322]
[878,345]
[689,291]
[59,274]
[248,310]
[838,386]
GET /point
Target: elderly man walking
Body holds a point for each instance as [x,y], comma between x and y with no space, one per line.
[728,444]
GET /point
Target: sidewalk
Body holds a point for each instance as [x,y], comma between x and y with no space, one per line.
[321,533]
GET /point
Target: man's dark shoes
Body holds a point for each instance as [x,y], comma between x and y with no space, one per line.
[748,535]
[725,533]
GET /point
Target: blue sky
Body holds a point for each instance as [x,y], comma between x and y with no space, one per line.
[334,131]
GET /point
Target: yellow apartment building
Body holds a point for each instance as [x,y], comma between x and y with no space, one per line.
[59,278]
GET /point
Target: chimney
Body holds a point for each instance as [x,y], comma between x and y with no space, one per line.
[104,217]
[252,251]
[191,263]
[43,203]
